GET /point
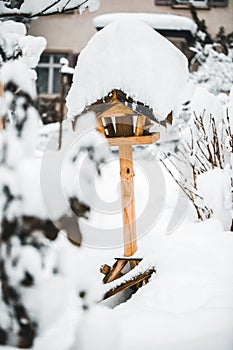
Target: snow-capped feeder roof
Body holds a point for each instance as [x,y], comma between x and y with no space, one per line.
[128,55]
[154,20]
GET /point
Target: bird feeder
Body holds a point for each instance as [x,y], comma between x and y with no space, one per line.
[137,60]
[125,124]
[124,127]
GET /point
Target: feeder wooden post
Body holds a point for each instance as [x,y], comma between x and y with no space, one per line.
[127,195]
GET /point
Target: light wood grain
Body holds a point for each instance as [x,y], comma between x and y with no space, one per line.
[139,125]
[134,140]
[127,198]
[100,126]
[143,277]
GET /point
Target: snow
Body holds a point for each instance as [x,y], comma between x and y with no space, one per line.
[188,303]
[154,20]
[13,39]
[230,108]
[65,69]
[215,199]
[130,56]
[13,27]
[27,49]
[215,69]
[34,8]
[17,72]
[207,103]
[32,47]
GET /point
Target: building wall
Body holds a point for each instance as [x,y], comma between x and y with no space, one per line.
[71,32]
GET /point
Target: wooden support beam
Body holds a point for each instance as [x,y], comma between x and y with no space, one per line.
[115,272]
[116,109]
[134,140]
[128,284]
[100,126]
[110,127]
[139,125]
[105,269]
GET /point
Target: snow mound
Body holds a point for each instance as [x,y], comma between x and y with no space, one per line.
[154,20]
[130,56]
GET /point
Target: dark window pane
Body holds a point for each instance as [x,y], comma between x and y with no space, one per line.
[58,56]
[218,3]
[162,2]
[56,80]
[42,80]
[44,58]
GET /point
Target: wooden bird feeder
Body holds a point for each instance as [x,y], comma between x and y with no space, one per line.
[116,121]
[125,124]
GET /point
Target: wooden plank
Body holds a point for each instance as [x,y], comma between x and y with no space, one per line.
[129,259]
[127,198]
[110,126]
[128,284]
[139,125]
[116,110]
[115,272]
[124,126]
[100,126]
[169,118]
[105,269]
[134,140]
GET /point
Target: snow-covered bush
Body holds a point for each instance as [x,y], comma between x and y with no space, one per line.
[29,260]
[212,64]
[201,162]
[215,71]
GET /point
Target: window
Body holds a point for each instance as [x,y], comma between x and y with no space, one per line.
[196,3]
[163,2]
[48,70]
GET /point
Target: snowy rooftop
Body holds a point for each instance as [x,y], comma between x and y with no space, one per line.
[130,56]
[154,20]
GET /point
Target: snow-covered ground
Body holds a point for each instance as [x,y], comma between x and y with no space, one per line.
[186,305]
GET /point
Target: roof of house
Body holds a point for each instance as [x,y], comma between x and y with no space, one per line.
[166,24]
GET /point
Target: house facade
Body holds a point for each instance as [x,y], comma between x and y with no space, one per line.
[67,34]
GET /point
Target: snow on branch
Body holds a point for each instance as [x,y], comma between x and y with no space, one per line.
[30,9]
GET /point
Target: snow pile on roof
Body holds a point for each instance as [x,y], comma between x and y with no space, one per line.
[132,57]
[154,20]
[34,8]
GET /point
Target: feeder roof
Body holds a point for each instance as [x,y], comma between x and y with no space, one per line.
[130,56]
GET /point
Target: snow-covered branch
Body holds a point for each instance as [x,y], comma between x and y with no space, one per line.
[30,9]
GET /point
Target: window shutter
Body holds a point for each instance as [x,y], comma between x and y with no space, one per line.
[218,3]
[163,2]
